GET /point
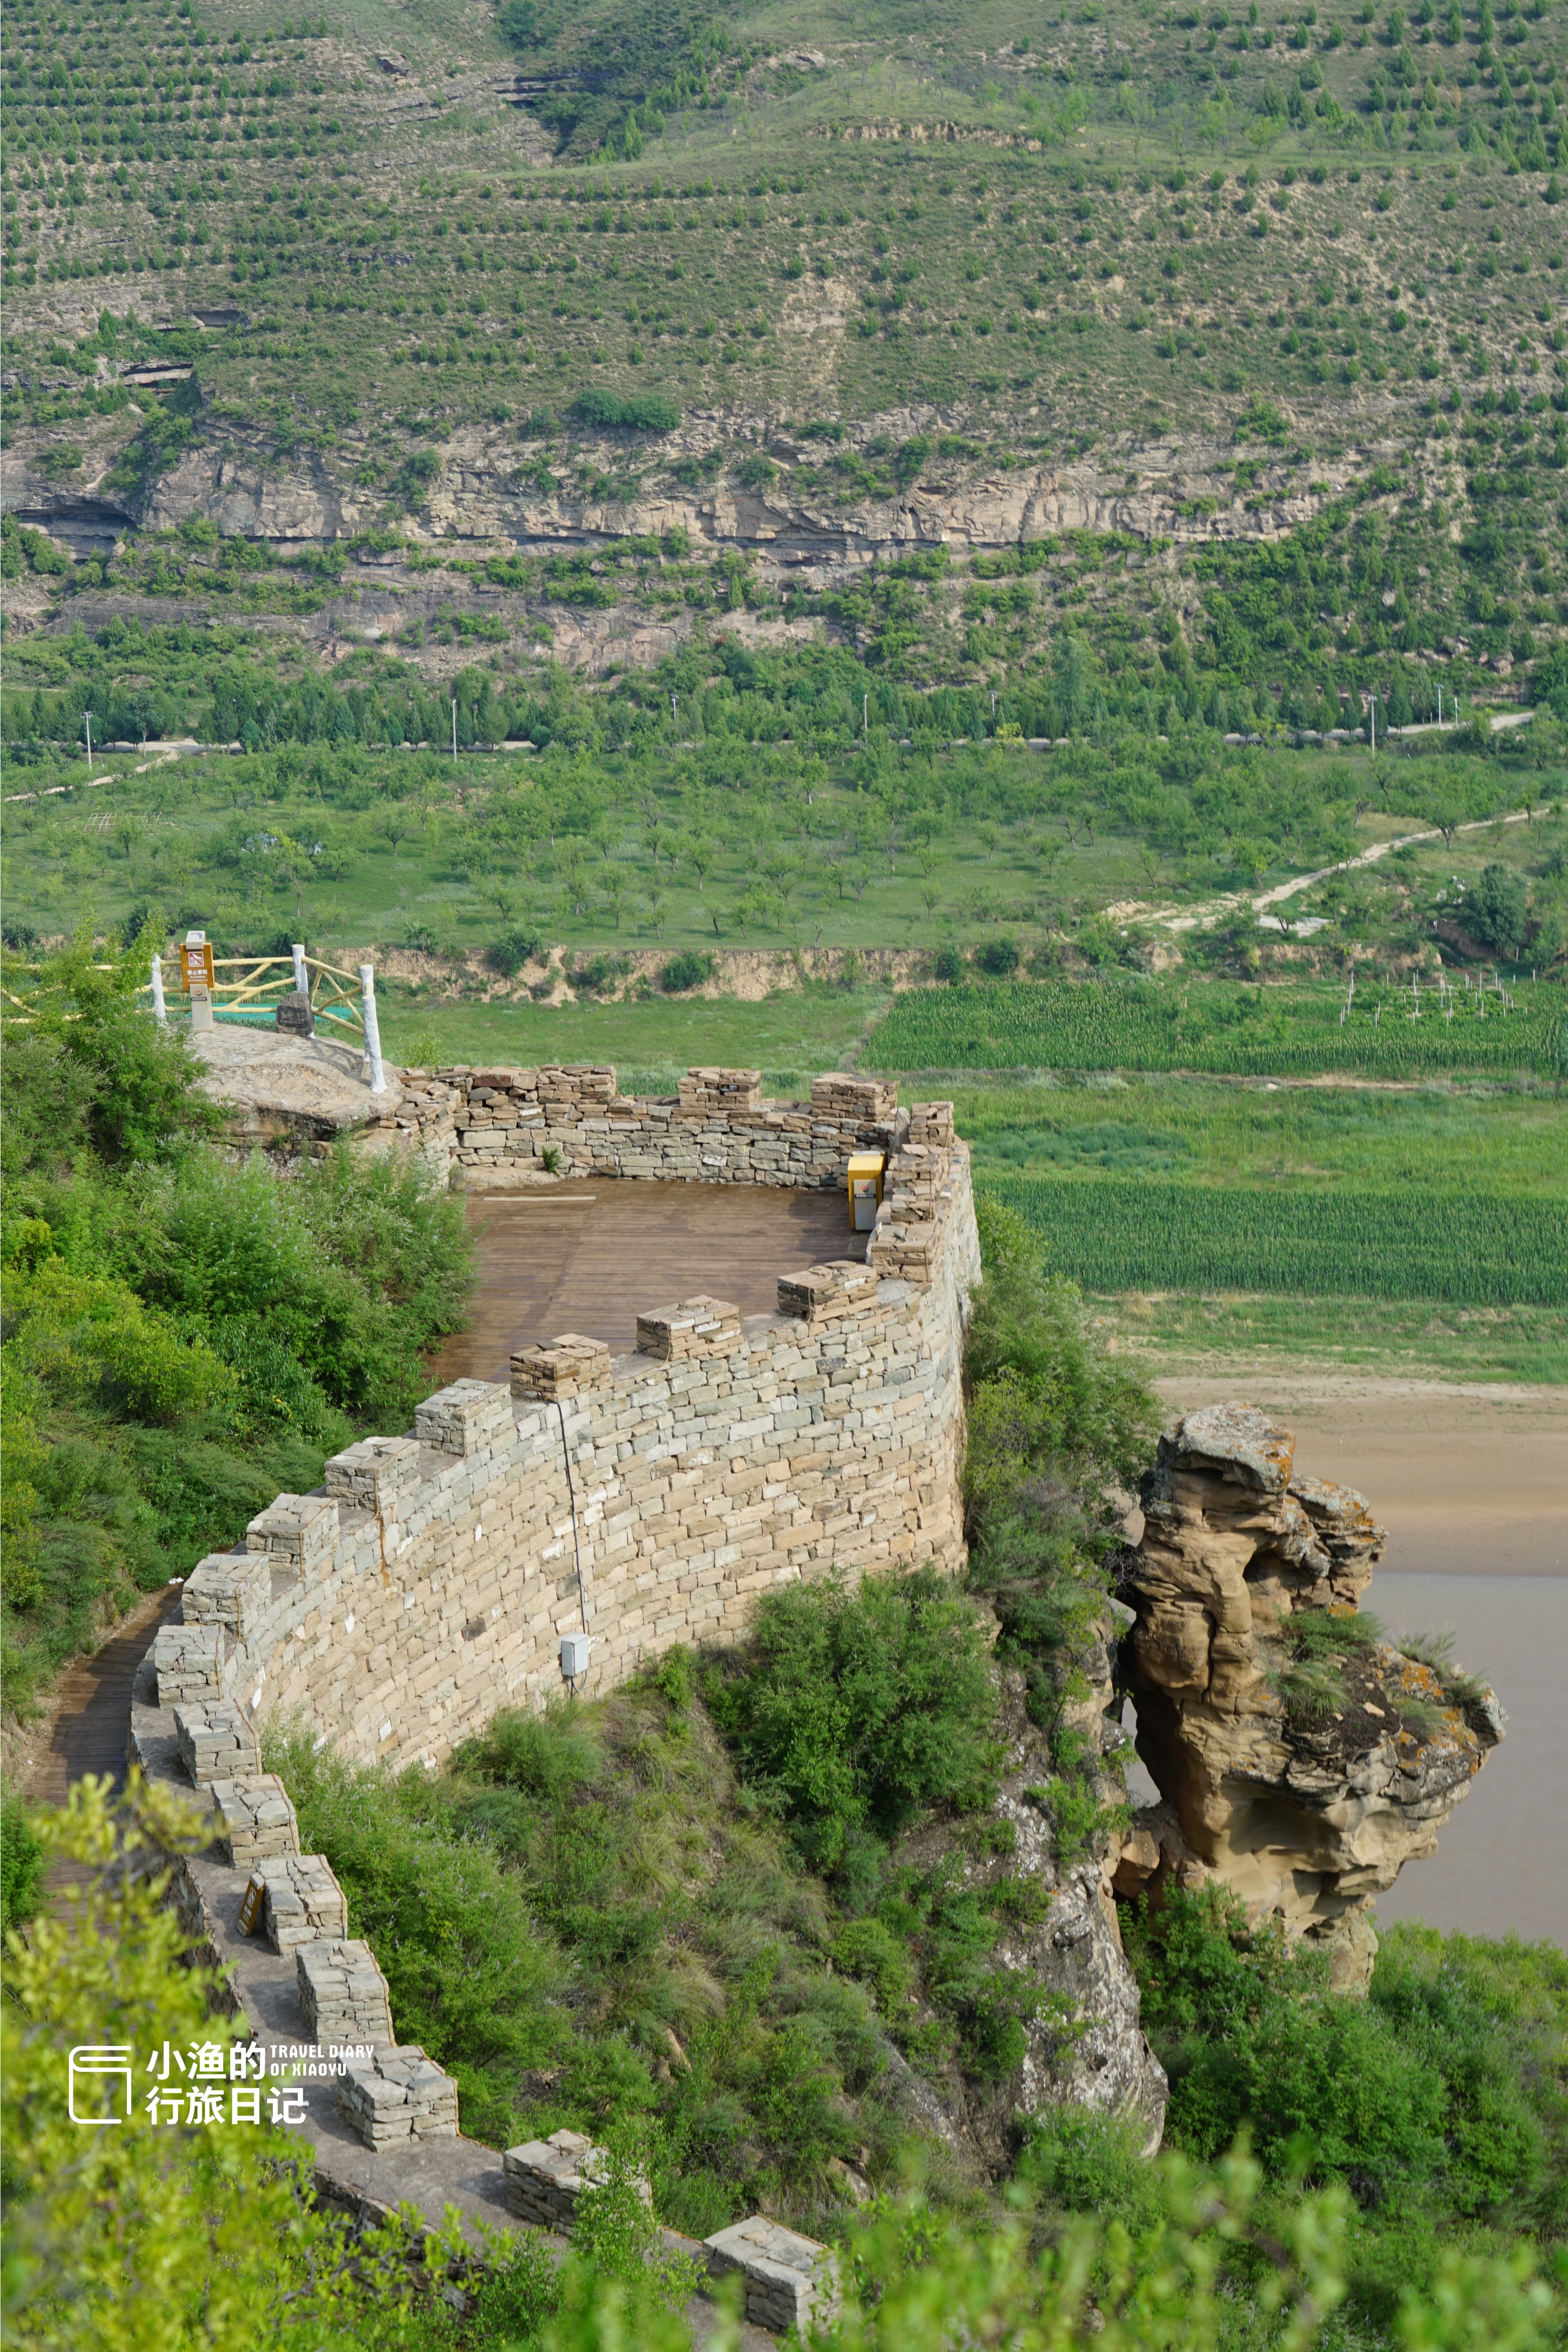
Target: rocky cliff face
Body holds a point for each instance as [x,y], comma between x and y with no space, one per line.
[1086,2047]
[1302,1760]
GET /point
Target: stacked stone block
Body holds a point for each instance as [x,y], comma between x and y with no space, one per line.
[342,1993]
[545,2178]
[397,2097]
[230,1589]
[295,1533]
[789,2282]
[255,1818]
[216,1741]
[302,1901]
[708,1090]
[827,1294]
[867,1101]
[190,1661]
[931,1122]
[571,1366]
[373,1475]
[694,1327]
[465,1418]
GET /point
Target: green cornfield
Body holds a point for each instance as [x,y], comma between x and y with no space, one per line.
[1222,1028]
[1471,1248]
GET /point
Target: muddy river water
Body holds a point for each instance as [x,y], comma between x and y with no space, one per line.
[1472,1486]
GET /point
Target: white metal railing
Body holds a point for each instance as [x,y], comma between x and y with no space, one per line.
[248,987]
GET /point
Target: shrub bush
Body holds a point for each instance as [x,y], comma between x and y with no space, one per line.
[686,970]
[508,954]
[639,412]
[998,959]
[853,1709]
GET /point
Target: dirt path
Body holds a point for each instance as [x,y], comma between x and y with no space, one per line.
[1189,918]
[86,1730]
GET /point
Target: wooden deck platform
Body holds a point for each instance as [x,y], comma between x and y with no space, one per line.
[591,1256]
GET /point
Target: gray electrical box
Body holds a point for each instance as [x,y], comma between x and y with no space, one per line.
[574,1650]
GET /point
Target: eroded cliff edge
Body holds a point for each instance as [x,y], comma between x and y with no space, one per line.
[1301,1759]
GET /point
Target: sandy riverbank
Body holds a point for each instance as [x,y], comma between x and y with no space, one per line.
[1472,1485]
[1468,1480]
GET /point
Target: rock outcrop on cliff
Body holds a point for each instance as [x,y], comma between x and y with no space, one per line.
[1086,2046]
[1302,1760]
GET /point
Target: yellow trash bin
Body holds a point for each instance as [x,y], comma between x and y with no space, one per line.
[865,1188]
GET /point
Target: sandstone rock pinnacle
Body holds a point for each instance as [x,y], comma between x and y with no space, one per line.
[1301,1759]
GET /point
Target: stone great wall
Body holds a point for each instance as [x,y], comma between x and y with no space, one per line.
[640,1500]
[570,1523]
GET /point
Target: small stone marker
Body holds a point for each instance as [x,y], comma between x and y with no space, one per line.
[190,1663]
[790,2281]
[294,1015]
[216,1741]
[545,2178]
[250,1904]
[303,1901]
[256,1819]
[396,2096]
[343,1993]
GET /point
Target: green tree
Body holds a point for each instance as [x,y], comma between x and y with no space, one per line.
[1494,911]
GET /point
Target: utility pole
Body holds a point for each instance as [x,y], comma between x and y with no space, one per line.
[672,711]
[454,730]
[87,723]
[865,716]
[1372,717]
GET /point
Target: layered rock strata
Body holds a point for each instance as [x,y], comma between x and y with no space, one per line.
[1302,1771]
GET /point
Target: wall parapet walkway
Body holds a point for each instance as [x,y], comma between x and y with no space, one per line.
[646,1498]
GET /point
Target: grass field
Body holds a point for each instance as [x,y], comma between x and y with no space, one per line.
[1086,855]
[790,1036]
[1374,1338]
[1293,1138]
[1461,1246]
[1217,1027]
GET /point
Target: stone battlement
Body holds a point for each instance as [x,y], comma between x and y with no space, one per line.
[647,1497]
[491,1127]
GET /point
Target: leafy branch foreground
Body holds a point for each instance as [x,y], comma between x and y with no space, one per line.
[162,2238]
